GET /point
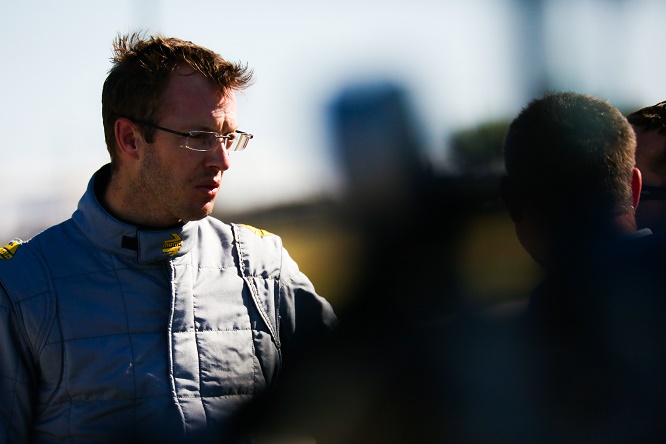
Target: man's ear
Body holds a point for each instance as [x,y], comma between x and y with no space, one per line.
[510,199]
[127,137]
[636,186]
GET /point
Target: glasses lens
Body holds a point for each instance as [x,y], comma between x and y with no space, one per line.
[240,142]
[201,141]
[207,141]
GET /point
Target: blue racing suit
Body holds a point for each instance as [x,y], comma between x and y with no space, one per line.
[114,333]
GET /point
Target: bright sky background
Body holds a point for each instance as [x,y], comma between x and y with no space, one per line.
[462,61]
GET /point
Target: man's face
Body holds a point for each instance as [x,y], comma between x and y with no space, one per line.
[650,154]
[181,184]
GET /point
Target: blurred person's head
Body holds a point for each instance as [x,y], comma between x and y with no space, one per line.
[650,126]
[570,175]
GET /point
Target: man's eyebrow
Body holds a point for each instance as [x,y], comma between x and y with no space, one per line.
[219,133]
[206,128]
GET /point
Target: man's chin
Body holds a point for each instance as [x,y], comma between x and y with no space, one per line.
[198,214]
[207,209]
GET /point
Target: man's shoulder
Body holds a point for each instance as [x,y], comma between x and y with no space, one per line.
[259,232]
[8,251]
[246,231]
[19,253]
[249,240]
[23,273]
[260,250]
[251,236]
[37,245]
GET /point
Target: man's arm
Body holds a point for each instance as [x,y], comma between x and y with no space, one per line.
[16,377]
[305,316]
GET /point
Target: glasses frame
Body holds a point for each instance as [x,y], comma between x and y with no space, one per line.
[237,145]
[649,192]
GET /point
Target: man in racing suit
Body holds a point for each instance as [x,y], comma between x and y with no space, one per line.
[142,318]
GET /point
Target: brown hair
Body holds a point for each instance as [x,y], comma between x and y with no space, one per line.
[142,68]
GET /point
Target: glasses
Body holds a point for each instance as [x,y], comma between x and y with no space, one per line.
[206,140]
[653,193]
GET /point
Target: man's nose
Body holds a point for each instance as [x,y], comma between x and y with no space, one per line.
[219,156]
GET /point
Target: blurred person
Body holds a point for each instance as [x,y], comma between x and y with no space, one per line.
[143,318]
[374,380]
[649,123]
[593,336]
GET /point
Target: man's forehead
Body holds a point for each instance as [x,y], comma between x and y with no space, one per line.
[192,86]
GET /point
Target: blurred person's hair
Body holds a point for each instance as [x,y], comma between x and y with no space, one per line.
[141,69]
[571,151]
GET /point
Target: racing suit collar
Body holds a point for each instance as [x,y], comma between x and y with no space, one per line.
[115,236]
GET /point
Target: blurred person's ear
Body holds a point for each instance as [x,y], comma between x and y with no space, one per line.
[511,200]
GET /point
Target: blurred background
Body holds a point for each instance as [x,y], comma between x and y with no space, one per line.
[467,68]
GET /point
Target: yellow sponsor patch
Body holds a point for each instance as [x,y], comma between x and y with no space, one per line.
[9,250]
[171,246]
[258,231]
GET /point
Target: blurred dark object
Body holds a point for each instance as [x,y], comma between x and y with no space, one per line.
[478,150]
[406,215]
[373,382]
[379,145]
